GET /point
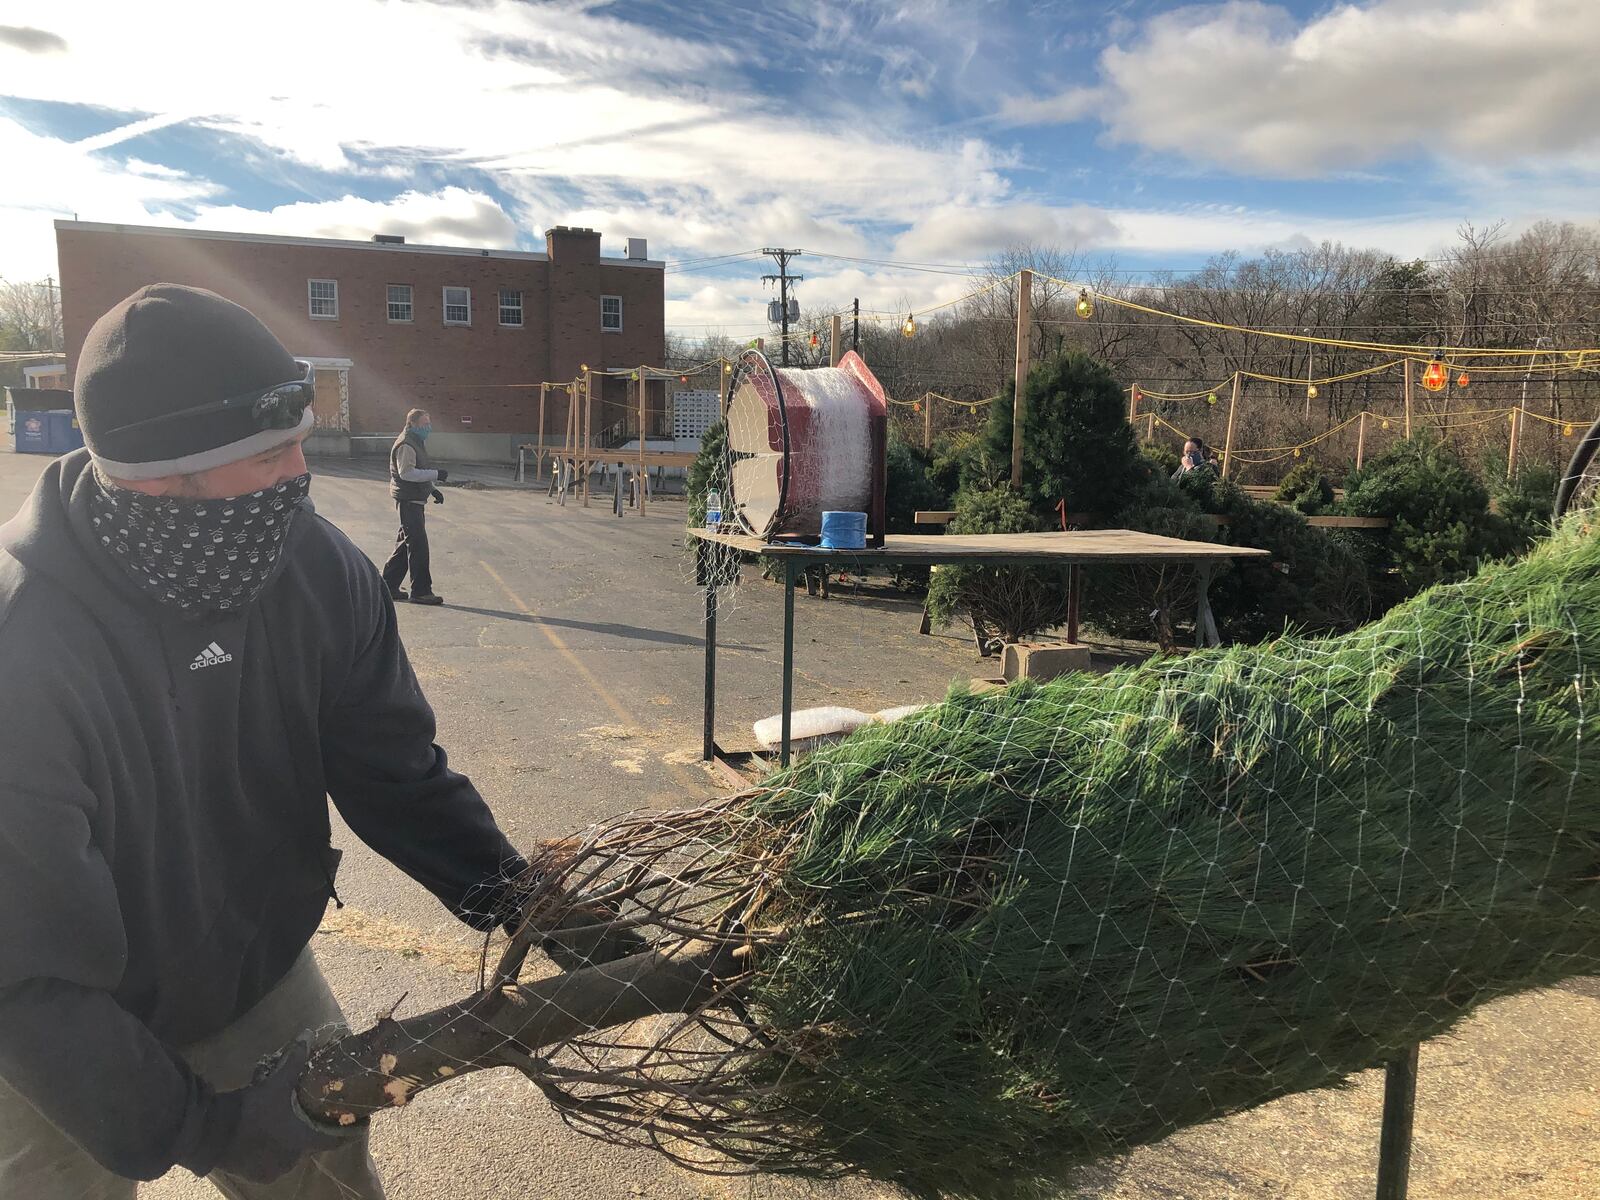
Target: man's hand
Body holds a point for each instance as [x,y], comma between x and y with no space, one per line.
[438,496]
[273,1133]
[443,474]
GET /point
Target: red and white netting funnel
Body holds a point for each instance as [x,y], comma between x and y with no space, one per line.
[802,442]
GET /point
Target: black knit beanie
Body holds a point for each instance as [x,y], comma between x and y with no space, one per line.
[164,349]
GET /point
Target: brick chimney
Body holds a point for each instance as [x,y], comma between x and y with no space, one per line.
[571,246]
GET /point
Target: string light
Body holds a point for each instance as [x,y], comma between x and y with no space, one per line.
[583,368]
[1211,398]
[1434,377]
[1085,304]
[1297,451]
[1311,391]
[815,340]
[1463,379]
[1566,431]
[683,379]
[909,329]
[1386,422]
[727,368]
[916,406]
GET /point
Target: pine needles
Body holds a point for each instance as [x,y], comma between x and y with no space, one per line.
[973,951]
[1033,928]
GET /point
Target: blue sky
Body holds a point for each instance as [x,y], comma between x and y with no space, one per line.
[1145,134]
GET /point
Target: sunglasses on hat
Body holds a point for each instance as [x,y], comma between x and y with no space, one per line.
[281,406]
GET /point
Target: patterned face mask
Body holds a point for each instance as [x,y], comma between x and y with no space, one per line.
[197,555]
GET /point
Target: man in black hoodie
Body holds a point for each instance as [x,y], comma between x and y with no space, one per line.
[203,662]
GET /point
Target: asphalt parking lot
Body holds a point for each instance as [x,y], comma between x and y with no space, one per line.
[566,671]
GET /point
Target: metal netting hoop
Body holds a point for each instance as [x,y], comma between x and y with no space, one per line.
[754,364]
[1581,480]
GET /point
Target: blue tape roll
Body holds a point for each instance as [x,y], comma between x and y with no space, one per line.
[844,530]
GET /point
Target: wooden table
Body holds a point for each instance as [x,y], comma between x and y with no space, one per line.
[1071,549]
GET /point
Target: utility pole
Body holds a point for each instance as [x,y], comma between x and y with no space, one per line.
[783,279]
[855,325]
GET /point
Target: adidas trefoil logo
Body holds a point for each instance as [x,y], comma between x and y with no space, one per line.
[212,656]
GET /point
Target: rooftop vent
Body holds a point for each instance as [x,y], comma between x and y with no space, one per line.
[389,239]
[636,248]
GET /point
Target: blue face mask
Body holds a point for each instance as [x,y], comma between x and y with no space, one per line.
[422,431]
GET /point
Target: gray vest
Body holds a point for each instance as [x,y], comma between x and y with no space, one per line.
[400,489]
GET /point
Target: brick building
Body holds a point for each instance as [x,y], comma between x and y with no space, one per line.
[391,326]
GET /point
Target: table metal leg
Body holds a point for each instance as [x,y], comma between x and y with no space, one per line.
[1205,623]
[1399,1110]
[1074,600]
[703,563]
[788,656]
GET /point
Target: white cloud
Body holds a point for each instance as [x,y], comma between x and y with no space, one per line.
[966,233]
[452,216]
[976,234]
[50,178]
[575,116]
[1060,108]
[1244,86]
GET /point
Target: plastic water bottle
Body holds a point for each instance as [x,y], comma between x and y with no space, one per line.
[713,509]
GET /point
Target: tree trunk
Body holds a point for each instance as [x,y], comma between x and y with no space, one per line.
[502,1026]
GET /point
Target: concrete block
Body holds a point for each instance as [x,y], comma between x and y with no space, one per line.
[1043,660]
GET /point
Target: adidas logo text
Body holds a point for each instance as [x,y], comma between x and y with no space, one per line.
[212,656]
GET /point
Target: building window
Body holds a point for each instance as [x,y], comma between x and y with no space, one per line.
[324,298]
[610,314]
[457,306]
[510,306]
[400,308]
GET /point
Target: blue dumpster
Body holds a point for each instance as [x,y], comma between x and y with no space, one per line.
[42,420]
[52,432]
[65,436]
[33,432]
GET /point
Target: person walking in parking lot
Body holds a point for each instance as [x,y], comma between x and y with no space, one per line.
[411,485]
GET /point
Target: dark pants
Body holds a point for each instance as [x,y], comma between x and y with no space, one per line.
[410,550]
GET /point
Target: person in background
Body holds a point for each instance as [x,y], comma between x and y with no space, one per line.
[204,663]
[411,485]
[1195,458]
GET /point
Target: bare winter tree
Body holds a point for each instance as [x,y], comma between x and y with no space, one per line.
[30,315]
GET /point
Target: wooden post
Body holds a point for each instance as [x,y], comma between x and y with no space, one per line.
[1133,402]
[538,462]
[1227,441]
[927,421]
[1516,438]
[722,391]
[569,442]
[1361,438]
[835,340]
[1150,427]
[588,431]
[1024,339]
[643,376]
[1407,365]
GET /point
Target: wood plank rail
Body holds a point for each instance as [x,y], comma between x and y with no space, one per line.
[594,454]
[944,517]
